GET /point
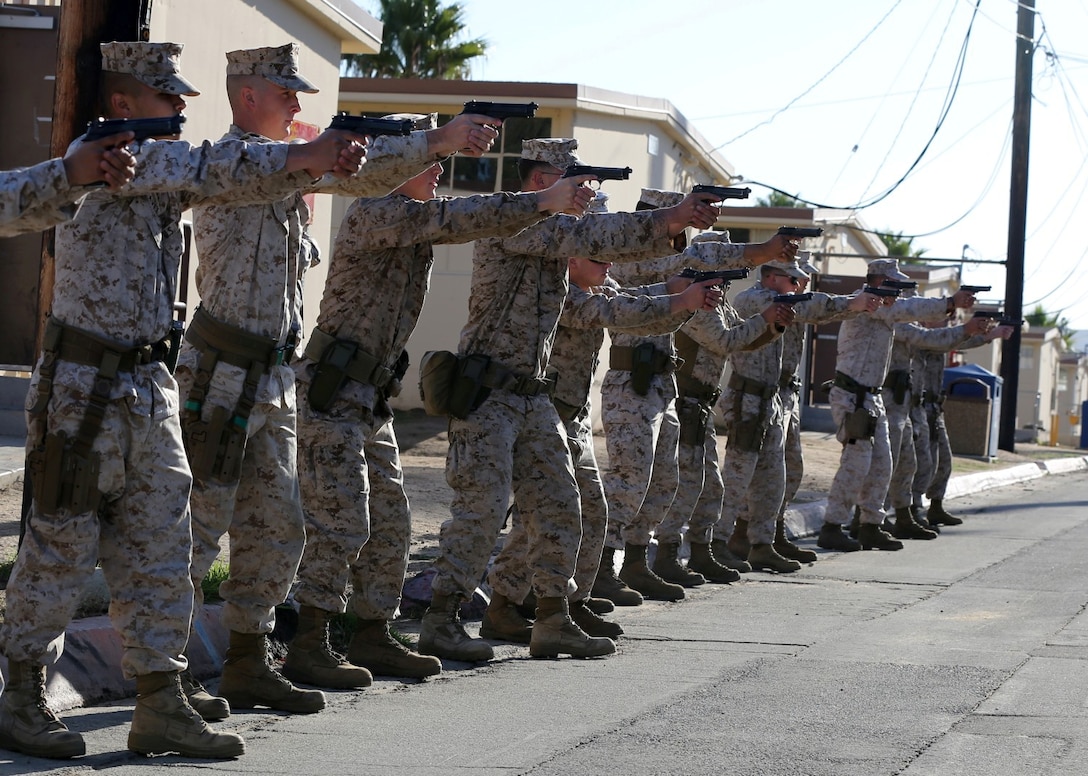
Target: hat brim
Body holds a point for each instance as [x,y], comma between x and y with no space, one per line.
[796,272]
[894,274]
[295,83]
[170,84]
[809,269]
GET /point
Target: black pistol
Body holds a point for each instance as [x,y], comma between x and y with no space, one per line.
[600,173]
[721,192]
[800,231]
[723,276]
[881,291]
[975,289]
[372,127]
[792,299]
[901,285]
[143,129]
[502,110]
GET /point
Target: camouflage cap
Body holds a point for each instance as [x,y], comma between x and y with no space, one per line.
[889,268]
[804,261]
[657,198]
[559,152]
[157,65]
[710,235]
[789,267]
[599,203]
[279,64]
[420,121]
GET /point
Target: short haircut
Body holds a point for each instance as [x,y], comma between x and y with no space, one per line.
[526,167]
[112,82]
[870,279]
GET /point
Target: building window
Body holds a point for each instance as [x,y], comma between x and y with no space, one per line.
[495,171]
[1027,358]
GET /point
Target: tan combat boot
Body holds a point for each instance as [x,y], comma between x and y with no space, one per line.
[832,537]
[249,681]
[738,540]
[609,586]
[441,633]
[764,558]
[310,659]
[503,622]
[937,516]
[591,622]
[719,548]
[787,549]
[374,647]
[873,537]
[554,633]
[906,528]
[637,575]
[163,721]
[27,724]
[667,565]
[208,706]
[704,561]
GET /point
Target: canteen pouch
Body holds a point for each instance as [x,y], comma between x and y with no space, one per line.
[467,391]
[437,370]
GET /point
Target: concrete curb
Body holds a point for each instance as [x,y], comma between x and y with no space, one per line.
[88,671]
[805,520]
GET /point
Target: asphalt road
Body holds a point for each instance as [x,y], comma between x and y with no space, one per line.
[965,655]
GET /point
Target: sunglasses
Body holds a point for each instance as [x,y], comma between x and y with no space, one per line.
[793,281]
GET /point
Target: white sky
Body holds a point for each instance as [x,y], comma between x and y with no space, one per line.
[835,105]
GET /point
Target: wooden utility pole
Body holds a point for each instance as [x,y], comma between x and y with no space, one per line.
[1018,205]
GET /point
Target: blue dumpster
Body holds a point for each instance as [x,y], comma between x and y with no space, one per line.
[972,410]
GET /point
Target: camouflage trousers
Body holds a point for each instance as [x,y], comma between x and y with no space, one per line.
[934,453]
[508,573]
[753,484]
[698,501]
[794,454]
[262,512]
[642,434]
[358,523]
[901,442]
[140,536]
[865,467]
[510,444]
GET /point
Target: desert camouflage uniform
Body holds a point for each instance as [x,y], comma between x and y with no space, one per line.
[116,270]
[932,449]
[514,443]
[864,350]
[250,276]
[358,521]
[575,356]
[36,198]
[755,481]
[642,433]
[789,393]
[698,500]
[910,338]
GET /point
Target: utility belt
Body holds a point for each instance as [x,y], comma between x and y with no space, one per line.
[687,386]
[339,360]
[695,415]
[455,385]
[643,361]
[216,446]
[64,470]
[897,383]
[747,434]
[861,423]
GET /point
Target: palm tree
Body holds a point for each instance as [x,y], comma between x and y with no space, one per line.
[778,199]
[903,248]
[1042,319]
[418,41]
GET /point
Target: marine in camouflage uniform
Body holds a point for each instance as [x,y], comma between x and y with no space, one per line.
[116,271]
[900,397]
[358,523]
[753,472]
[240,408]
[513,441]
[864,349]
[932,450]
[593,302]
[642,429]
[704,343]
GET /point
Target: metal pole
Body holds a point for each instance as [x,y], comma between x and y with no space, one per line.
[1018,202]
